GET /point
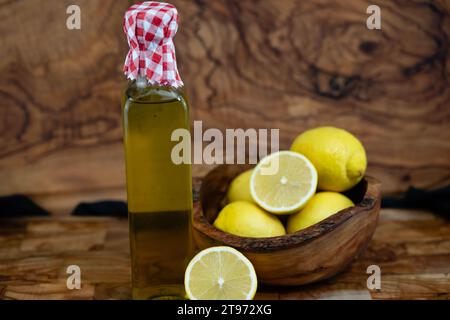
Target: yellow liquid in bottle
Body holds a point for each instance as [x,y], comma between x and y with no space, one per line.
[159,192]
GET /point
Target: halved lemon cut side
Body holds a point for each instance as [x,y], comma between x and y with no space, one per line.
[220,273]
[283,182]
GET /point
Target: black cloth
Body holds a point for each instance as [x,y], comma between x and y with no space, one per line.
[17,206]
[437,201]
[102,209]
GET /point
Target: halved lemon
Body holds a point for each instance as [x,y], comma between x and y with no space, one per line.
[283,182]
[220,273]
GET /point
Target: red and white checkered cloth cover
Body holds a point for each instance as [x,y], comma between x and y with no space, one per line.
[150,27]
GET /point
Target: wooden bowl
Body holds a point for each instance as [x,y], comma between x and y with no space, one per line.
[310,255]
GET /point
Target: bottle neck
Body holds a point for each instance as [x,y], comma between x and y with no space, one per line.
[141,82]
[141,90]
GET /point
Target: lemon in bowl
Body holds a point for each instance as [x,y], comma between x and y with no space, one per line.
[245,219]
[239,189]
[283,182]
[320,207]
[338,156]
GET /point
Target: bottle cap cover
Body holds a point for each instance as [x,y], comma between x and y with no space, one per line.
[150,27]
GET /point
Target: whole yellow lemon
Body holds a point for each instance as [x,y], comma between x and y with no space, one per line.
[320,207]
[246,219]
[239,189]
[338,156]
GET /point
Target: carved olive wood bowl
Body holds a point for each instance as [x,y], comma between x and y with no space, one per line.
[307,256]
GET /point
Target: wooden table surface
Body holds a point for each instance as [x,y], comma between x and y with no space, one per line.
[412,249]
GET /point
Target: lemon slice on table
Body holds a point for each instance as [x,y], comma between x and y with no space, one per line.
[220,273]
[283,182]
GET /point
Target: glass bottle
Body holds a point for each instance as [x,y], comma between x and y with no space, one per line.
[159,191]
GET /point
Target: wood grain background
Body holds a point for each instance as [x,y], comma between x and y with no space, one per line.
[287,64]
